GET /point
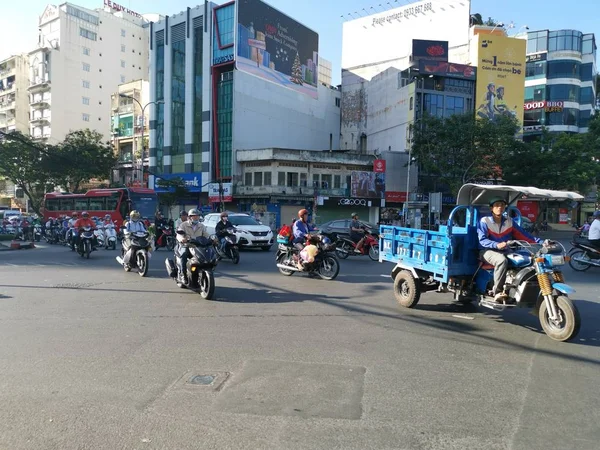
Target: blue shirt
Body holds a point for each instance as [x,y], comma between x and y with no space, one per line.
[301,229]
[490,233]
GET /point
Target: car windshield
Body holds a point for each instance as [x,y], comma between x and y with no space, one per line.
[243,220]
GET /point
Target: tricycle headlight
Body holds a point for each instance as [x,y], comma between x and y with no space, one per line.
[557,260]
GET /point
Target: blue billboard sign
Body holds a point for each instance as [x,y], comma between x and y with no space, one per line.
[193,181]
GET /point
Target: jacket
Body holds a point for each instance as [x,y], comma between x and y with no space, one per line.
[84,223]
[490,233]
[191,231]
[301,229]
[133,227]
[220,227]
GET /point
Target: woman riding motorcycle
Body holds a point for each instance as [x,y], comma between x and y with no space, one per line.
[301,228]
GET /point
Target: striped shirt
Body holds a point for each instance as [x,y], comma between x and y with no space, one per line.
[491,233]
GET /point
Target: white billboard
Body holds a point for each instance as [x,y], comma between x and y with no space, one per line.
[388,35]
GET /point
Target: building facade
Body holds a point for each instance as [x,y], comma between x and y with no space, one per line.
[560,85]
[83,55]
[325,71]
[14,99]
[221,95]
[130,132]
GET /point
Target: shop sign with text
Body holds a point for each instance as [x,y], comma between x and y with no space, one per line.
[116,7]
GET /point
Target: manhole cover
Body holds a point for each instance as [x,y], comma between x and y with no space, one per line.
[203,380]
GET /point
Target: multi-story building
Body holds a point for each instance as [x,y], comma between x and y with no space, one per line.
[130,128]
[82,57]
[14,100]
[560,84]
[324,71]
[201,72]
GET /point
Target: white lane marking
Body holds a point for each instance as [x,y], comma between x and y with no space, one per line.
[459,316]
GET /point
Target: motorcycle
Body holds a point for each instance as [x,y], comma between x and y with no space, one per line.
[136,253]
[99,233]
[345,246]
[37,232]
[230,250]
[86,237]
[583,256]
[325,264]
[110,239]
[166,238]
[199,267]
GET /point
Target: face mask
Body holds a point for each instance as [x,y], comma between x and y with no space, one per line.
[195,221]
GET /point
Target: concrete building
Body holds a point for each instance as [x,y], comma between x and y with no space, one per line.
[324,71]
[221,95]
[130,132]
[560,84]
[82,57]
[14,99]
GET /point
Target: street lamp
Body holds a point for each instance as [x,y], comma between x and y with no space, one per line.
[143,108]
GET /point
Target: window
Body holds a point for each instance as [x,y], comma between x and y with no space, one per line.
[587,72]
[584,118]
[122,63]
[533,117]
[434,104]
[85,84]
[248,179]
[337,181]
[568,116]
[122,32]
[454,105]
[337,102]
[316,179]
[85,117]
[178,97]
[589,45]
[292,179]
[87,34]
[267,178]
[97,204]
[280,178]
[258,179]
[86,51]
[160,95]
[326,181]
[535,93]
[537,41]
[535,69]
[123,48]
[569,40]
[122,79]
[85,66]
[82,15]
[303,179]
[563,93]
[411,104]
[197,98]
[563,69]
[85,100]
[586,95]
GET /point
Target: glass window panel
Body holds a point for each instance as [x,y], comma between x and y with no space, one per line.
[267,178]
[280,178]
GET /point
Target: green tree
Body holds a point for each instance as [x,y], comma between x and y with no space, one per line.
[176,189]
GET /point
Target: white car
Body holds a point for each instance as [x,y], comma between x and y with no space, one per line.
[250,233]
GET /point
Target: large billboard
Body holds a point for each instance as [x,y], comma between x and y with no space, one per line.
[500,77]
[446,69]
[432,50]
[275,47]
[367,184]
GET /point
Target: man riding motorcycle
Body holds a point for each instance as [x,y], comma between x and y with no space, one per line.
[85,221]
[183,216]
[594,232]
[357,233]
[134,225]
[494,231]
[192,229]
[159,223]
[221,229]
[301,229]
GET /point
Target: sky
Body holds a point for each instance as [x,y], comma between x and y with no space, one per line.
[18,24]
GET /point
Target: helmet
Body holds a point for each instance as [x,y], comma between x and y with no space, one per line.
[496,199]
[302,212]
[596,214]
[135,215]
[353,215]
[183,213]
[85,214]
[325,240]
[74,214]
[107,216]
[224,214]
[193,212]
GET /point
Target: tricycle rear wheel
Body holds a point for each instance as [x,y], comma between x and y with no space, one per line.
[407,289]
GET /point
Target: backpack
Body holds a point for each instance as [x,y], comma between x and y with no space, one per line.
[284,235]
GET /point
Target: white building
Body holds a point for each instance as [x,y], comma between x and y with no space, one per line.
[82,57]
[14,100]
[324,71]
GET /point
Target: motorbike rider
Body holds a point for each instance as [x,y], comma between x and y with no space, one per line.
[134,225]
[494,231]
[357,233]
[301,229]
[84,221]
[221,229]
[159,223]
[183,216]
[594,233]
[192,229]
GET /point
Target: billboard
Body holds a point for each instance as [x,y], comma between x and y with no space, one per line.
[367,184]
[214,195]
[275,47]
[432,50]
[447,69]
[500,77]
[193,181]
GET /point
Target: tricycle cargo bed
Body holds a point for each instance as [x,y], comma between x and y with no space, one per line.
[433,252]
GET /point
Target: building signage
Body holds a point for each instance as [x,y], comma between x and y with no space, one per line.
[379,166]
[367,184]
[431,50]
[395,197]
[405,13]
[215,197]
[447,69]
[529,106]
[532,128]
[353,202]
[554,106]
[537,57]
[51,12]
[193,181]
[222,59]
[116,7]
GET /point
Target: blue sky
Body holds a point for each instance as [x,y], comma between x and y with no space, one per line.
[18,24]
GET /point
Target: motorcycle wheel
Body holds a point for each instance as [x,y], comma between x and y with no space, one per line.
[567,327]
[347,249]
[576,265]
[207,285]
[329,268]
[281,260]
[374,252]
[235,255]
[142,264]
[88,249]
[170,244]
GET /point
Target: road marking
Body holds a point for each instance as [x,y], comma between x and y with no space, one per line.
[385,276]
[459,316]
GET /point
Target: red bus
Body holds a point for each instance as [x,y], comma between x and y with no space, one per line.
[117,202]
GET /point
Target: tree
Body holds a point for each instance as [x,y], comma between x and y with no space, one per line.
[476,19]
[491,22]
[297,71]
[176,189]
[89,157]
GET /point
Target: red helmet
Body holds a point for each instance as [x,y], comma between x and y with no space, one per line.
[302,212]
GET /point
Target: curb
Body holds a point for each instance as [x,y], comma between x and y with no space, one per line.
[17,245]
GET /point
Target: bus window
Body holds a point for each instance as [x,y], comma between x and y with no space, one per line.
[66,204]
[53,205]
[112,202]
[97,204]
[81,204]
[124,207]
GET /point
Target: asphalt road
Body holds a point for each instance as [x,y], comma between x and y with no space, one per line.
[92,357]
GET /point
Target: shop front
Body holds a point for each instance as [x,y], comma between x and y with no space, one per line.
[333,208]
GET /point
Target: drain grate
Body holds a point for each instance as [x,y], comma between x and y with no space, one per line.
[202,380]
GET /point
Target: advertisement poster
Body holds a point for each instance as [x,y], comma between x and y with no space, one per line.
[447,69]
[276,48]
[367,185]
[563,215]
[500,77]
[529,209]
[431,50]
[379,166]
[213,192]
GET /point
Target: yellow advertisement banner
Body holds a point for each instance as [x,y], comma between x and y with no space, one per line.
[500,77]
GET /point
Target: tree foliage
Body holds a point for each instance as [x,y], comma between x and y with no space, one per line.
[176,189]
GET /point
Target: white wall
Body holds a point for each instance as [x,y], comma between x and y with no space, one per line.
[267,115]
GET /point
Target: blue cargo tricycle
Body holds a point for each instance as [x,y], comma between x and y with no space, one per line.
[448,261]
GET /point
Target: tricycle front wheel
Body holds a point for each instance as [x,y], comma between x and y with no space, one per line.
[567,325]
[407,289]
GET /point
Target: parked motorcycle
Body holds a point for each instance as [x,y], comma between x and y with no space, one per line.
[86,238]
[583,256]
[199,267]
[231,250]
[166,238]
[135,253]
[325,264]
[345,246]
[110,237]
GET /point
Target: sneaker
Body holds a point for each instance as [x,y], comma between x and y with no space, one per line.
[500,297]
[356,250]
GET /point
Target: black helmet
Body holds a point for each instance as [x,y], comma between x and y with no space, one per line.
[183,213]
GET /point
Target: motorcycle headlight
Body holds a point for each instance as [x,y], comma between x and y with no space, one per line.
[556,260]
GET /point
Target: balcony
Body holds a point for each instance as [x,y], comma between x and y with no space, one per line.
[8,105]
[40,102]
[7,72]
[40,119]
[39,83]
[7,88]
[123,108]
[298,191]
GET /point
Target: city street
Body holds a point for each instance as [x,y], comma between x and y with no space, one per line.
[96,358]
